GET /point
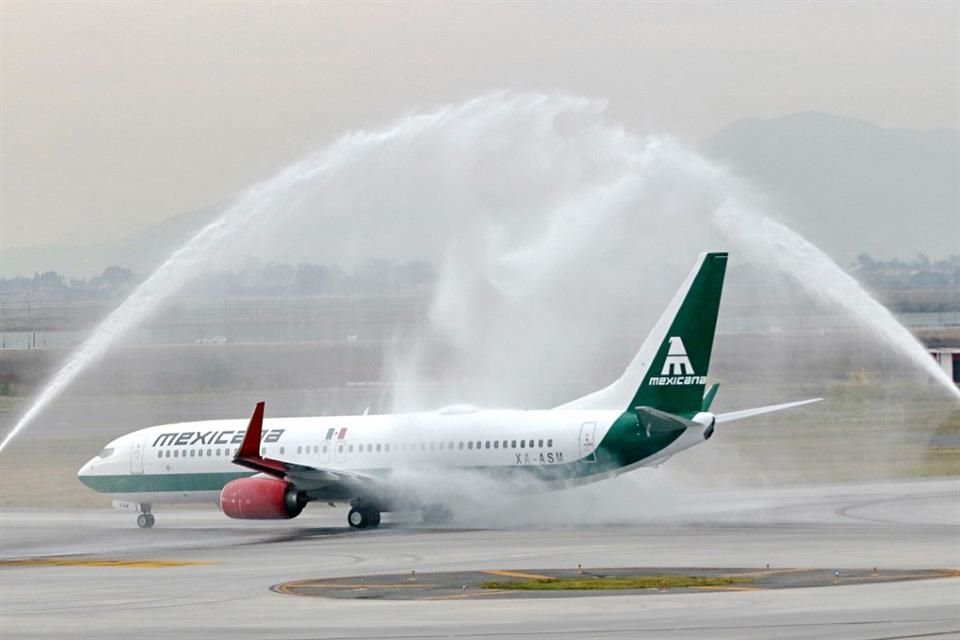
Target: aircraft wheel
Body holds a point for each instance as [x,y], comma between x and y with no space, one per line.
[363,517]
[145,520]
[358,518]
[437,514]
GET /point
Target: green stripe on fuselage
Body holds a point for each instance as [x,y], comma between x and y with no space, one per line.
[173,482]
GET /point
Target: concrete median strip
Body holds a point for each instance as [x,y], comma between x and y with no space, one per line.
[547,583]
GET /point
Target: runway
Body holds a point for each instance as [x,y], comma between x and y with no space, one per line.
[199,574]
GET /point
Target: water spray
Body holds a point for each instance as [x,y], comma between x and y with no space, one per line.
[535,207]
[773,243]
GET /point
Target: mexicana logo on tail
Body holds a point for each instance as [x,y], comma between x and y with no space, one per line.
[677,368]
[676,363]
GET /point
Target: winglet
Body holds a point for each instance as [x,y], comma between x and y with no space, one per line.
[250,447]
[248,455]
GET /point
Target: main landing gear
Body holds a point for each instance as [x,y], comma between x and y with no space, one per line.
[146,520]
[436,514]
[363,516]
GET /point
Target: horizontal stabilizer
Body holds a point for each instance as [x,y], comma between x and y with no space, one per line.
[748,413]
[655,421]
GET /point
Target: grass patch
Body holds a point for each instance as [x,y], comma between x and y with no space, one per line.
[594,583]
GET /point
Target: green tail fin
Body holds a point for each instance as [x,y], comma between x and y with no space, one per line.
[670,370]
[675,380]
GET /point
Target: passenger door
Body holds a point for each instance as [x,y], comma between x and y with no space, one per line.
[587,434]
[136,455]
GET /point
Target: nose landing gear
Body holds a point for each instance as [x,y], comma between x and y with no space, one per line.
[146,520]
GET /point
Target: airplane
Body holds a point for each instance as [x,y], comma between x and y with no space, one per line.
[272,468]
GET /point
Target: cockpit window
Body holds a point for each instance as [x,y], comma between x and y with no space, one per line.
[106,453]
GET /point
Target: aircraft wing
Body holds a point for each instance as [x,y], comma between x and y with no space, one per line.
[302,476]
[748,413]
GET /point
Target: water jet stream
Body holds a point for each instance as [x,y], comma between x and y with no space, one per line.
[187,261]
[773,243]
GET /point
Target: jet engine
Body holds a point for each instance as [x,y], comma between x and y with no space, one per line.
[261,499]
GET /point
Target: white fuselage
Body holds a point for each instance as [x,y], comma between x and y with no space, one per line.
[191,461]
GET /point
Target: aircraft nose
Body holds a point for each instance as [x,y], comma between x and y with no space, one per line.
[84,472]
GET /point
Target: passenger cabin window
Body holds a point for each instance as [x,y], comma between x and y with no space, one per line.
[522,442]
[513,444]
[540,443]
[470,445]
[460,445]
[550,442]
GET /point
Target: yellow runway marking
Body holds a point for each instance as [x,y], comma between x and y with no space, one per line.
[517,574]
[343,585]
[769,572]
[92,562]
[473,594]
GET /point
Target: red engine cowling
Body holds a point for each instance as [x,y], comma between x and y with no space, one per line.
[261,499]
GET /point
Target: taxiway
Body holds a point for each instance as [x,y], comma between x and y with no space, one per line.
[93,574]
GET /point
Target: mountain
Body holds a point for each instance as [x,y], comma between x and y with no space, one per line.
[848,185]
[142,252]
[851,186]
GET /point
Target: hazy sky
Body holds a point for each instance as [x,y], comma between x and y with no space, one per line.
[116,115]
